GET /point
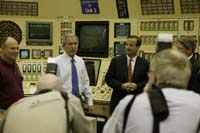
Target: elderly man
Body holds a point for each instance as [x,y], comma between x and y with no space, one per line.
[187,45]
[170,72]
[47,112]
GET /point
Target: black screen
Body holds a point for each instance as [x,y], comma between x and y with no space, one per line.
[119,48]
[93,38]
[39,31]
[93,67]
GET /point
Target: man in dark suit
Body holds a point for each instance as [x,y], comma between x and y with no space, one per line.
[127,74]
[187,45]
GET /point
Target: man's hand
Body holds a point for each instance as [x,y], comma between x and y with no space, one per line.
[129,87]
[132,86]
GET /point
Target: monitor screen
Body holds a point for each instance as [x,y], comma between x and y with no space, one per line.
[119,48]
[39,33]
[93,38]
[47,53]
[36,53]
[93,67]
[122,30]
[24,53]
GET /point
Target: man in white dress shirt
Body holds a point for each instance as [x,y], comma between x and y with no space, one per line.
[64,70]
[169,70]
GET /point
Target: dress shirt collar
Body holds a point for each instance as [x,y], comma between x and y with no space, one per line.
[133,59]
[70,58]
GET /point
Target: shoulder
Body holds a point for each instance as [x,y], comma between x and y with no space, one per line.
[185,96]
[59,58]
[139,98]
[37,100]
[79,59]
[141,101]
[142,60]
[119,58]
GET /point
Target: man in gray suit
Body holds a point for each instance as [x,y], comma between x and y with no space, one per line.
[47,112]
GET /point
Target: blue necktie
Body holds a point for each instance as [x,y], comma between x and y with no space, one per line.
[75,89]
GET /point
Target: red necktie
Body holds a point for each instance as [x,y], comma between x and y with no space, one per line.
[130,71]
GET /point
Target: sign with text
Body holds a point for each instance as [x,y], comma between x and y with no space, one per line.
[90,6]
[122,8]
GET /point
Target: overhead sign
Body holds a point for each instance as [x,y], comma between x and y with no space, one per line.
[122,8]
[90,6]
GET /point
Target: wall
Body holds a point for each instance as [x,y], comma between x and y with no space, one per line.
[51,10]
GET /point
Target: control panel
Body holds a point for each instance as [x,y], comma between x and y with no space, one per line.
[101,93]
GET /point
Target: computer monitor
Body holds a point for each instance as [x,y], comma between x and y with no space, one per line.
[93,67]
[24,53]
[119,48]
[39,33]
[93,38]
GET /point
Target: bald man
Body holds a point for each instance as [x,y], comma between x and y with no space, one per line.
[10,76]
[47,112]
[49,81]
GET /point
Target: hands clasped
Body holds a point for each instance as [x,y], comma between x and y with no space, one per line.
[129,87]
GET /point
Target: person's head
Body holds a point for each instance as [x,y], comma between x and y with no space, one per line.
[50,82]
[9,49]
[170,67]
[165,41]
[133,44]
[187,45]
[71,45]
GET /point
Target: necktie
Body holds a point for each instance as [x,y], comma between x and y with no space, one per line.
[130,71]
[75,89]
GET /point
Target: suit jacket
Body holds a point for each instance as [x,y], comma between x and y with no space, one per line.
[118,74]
[45,113]
[194,83]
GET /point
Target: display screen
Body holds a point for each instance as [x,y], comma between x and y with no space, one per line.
[47,53]
[122,30]
[24,53]
[36,54]
[93,38]
[39,33]
[93,67]
[119,48]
